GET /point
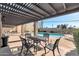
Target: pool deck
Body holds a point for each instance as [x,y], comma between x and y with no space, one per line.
[66,46]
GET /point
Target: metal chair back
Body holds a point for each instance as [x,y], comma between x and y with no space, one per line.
[24,42]
[27,35]
[56,43]
[46,35]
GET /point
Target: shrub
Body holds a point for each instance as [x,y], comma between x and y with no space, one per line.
[76,38]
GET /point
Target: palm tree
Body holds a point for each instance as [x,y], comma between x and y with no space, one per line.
[62,26]
[41,24]
[58,26]
[52,25]
[74,26]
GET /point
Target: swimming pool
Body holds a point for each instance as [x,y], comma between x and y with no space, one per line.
[51,34]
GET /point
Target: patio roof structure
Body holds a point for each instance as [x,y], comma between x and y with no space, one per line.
[20,13]
[13,14]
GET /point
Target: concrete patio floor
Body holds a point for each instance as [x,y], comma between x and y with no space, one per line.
[66,46]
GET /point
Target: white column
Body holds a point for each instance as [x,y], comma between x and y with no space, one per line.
[35,28]
[0,30]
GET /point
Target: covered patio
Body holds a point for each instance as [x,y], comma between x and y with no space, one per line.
[14,14]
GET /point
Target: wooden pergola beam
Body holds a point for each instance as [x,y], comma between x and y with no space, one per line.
[41,8]
[4,11]
[28,8]
[52,8]
[22,12]
[65,7]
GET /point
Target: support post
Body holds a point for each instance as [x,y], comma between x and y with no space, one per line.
[21,29]
[35,28]
[0,30]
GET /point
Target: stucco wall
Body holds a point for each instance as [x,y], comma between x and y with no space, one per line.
[20,28]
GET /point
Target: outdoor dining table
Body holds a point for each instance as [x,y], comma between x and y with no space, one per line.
[37,40]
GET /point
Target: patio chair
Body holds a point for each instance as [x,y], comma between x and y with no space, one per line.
[34,42]
[26,45]
[46,35]
[26,37]
[36,45]
[52,47]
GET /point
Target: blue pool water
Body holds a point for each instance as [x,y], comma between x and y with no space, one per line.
[51,34]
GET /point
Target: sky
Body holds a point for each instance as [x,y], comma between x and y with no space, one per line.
[70,19]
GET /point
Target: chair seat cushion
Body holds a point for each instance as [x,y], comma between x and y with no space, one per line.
[50,46]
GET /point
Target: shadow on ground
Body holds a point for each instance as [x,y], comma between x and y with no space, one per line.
[72,53]
[30,53]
